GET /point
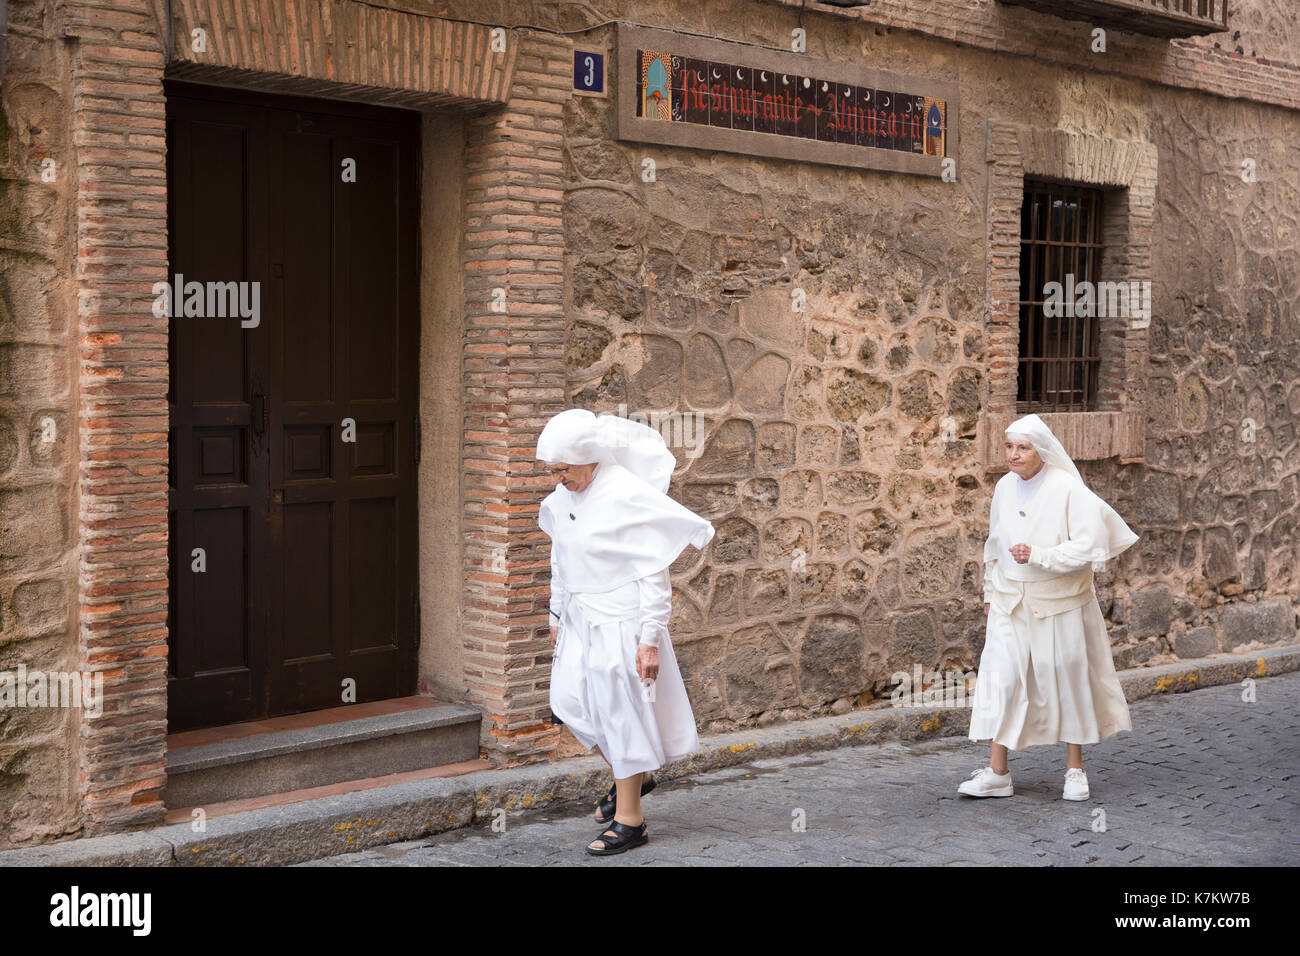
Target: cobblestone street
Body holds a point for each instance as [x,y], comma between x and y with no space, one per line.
[1205,779]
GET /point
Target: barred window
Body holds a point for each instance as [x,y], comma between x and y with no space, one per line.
[1060,242]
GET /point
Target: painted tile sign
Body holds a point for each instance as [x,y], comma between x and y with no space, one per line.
[778,104]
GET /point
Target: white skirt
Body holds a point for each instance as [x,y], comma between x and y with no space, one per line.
[595,691]
[1047,680]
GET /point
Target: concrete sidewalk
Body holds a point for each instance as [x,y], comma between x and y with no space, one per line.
[356,821]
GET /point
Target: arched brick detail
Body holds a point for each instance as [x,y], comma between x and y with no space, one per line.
[1118,428]
[341,49]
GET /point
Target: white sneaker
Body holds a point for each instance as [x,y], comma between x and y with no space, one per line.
[1076,785]
[985,783]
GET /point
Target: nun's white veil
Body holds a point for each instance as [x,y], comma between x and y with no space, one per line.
[1034,430]
[630,527]
[578,437]
[1103,534]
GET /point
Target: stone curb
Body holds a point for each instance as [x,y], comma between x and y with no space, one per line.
[278,836]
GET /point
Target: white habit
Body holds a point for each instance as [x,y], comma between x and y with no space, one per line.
[1046,674]
[611,546]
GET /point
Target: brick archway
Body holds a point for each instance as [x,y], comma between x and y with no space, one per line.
[511,237]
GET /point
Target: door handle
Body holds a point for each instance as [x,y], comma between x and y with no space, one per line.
[259,413]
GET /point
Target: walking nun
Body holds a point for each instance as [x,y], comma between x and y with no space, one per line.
[614,532]
[1046,674]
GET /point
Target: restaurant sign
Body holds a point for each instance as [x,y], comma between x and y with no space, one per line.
[690,91]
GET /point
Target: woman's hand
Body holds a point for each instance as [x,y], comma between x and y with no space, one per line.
[554,631]
[647,662]
[986,610]
[1021,553]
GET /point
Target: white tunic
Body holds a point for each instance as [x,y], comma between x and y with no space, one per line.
[1046,673]
[595,689]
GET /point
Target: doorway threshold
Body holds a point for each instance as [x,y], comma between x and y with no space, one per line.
[186,814]
[321,749]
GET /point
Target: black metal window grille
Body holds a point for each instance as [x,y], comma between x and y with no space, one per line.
[1060,241]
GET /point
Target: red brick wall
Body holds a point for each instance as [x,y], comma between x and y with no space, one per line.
[514,381]
[121,208]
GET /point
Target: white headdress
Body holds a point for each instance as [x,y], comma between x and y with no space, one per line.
[624,527]
[1034,430]
[577,437]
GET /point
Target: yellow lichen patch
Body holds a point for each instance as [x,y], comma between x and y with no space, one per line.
[740,748]
[1163,684]
[930,723]
[1262,669]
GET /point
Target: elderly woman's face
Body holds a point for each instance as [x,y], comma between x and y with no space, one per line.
[573,477]
[1022,457]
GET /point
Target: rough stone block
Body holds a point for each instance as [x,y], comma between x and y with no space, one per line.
[1152,611]
[1270,623]
[1131,655]
[914,639]
[831,658]
[1198,642]
[40,606]
[33,526]
[1221,564]
[1185,610]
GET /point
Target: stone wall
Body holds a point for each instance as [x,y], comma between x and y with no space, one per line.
[38,780]
[1218,513]
[849,533]
[1267,31]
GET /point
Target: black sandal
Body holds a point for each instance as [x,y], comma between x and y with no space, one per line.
[625,838]
[608,803]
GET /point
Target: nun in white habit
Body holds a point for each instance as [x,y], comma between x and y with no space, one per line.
[1046,674]
[614,532]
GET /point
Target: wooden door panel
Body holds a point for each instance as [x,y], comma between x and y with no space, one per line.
[218,474]
[308,581]
[221,592]
[372,311]
[307,249]
[372,559]
[348,353]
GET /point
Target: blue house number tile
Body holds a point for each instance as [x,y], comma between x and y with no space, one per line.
[588,71]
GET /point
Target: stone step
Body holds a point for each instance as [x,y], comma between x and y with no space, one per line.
[316,756]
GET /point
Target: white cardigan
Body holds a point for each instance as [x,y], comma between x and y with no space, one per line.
[1071,532]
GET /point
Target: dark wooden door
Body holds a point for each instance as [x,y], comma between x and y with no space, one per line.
[293,439]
